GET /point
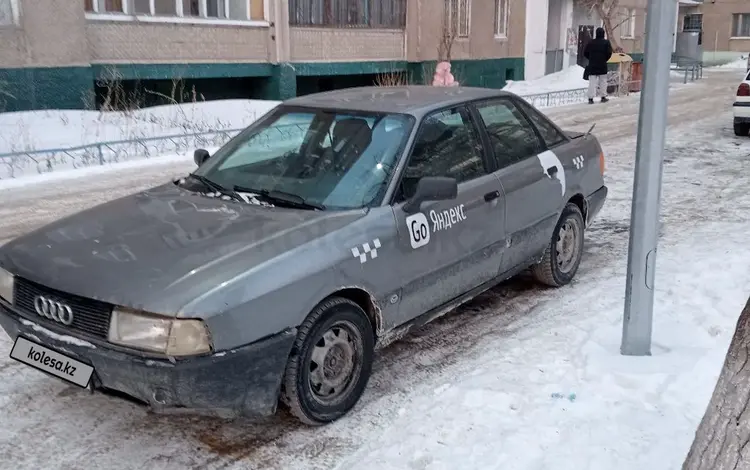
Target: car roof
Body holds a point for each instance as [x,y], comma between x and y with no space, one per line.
[416,100]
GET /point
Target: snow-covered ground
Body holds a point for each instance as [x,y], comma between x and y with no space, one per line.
[36,130]
[570,78]
[520,378]
[31,131]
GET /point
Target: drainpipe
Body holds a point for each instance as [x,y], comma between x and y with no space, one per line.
[419,29]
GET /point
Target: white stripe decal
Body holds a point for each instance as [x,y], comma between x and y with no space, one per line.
[548,159]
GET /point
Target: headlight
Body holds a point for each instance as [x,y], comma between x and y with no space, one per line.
[170,336]
[6,285]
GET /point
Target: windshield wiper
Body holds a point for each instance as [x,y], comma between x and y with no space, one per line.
[216,187]
[282,197]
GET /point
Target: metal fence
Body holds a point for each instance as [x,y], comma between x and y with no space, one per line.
[557,98]
[103,153]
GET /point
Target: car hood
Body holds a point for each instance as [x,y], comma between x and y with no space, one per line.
[159,249]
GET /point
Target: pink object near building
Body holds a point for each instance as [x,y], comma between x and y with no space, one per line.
[443,75]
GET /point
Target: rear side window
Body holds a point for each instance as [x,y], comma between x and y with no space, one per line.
[512,136]
[550,135]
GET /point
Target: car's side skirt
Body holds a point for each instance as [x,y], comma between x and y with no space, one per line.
[402,330]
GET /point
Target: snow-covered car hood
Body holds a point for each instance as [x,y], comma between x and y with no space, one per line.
[159,249]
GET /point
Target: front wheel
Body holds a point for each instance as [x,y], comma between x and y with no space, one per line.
[563,254]
[330,363]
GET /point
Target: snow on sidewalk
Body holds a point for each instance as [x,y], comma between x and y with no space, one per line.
[570,78]
[559,395]
[739,64]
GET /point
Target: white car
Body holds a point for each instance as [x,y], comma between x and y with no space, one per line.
[742,108]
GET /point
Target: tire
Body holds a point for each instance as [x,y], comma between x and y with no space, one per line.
[303,389]
[556,269]
[741,129]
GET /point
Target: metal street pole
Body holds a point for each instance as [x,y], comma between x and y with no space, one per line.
[644,216]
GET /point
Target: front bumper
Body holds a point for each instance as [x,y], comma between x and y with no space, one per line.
[240,382]
[594,204]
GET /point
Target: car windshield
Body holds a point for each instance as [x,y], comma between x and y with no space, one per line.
[331,159]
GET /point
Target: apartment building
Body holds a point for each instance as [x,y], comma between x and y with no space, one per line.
[71,53]
[724,27]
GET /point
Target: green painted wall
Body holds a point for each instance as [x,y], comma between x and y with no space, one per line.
[169,71]
[305,69]
[490,73]
[73,87]
[30,88]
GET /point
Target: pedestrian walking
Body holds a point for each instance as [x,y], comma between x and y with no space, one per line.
[598,52]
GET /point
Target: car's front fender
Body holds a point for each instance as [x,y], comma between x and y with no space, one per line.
[280,293]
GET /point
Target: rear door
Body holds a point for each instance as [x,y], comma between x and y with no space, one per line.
[448,247]
[532,178]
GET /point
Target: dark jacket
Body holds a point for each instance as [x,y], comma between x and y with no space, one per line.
[598,52]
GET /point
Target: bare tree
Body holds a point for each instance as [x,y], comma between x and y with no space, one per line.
[721,441]
[611,14]
[5,94]
[448,33]
[391,79]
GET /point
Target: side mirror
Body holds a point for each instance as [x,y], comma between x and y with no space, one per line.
[200,156]
[431,188]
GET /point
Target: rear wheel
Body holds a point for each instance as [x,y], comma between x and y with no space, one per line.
[330,363]
[563,255]
[741,129]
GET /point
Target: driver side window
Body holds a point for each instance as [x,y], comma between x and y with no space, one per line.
[447,144]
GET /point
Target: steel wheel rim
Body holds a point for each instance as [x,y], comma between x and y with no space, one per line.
[567,246]
[335,363]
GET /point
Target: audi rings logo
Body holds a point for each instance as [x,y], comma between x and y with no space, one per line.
[53,310]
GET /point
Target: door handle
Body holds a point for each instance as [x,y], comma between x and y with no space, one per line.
[491,196]
[552,171]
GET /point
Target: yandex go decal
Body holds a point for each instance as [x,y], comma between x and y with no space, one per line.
[419,230]
[419,227]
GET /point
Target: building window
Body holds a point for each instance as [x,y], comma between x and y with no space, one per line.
[104,6]
[627,27]
[693,22]
[240,10]
[501,18]
[458,17]
[387,14]
[741,25]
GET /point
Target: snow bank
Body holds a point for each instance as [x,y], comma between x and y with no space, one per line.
[58,129]
[36,130]
[566,79]
[740,63]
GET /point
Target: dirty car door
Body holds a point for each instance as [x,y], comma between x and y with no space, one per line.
[530,175]
[448,247]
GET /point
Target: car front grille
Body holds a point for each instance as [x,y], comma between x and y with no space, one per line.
[90,317]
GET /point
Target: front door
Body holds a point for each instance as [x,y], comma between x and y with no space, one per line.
[585,35]
[448,247]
